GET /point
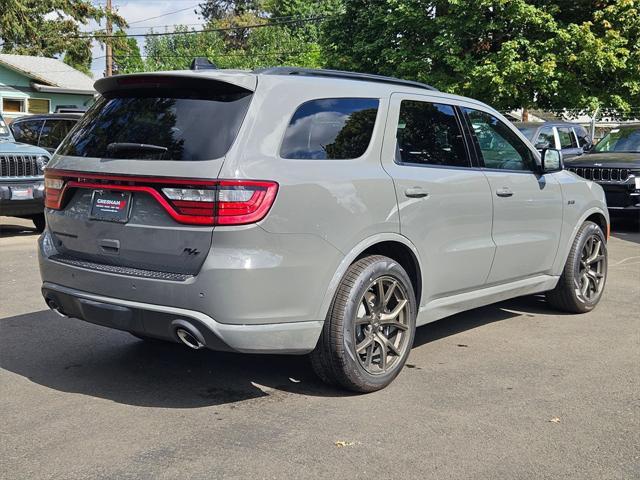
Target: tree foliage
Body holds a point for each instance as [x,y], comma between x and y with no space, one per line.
[50,28]
[510,53]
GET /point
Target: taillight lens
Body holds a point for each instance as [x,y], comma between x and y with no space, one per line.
[194,202]
[227,202]
[53,188]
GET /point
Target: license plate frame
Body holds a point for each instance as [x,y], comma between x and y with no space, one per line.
[110,206]
[21,193]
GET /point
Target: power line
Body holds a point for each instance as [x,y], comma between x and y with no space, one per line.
[206,30]
[164,14]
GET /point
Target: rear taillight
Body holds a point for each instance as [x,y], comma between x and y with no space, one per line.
[53,189]
[228,202]
[195,202]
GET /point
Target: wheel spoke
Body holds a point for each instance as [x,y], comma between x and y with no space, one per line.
[369,356]
[380,288]
[366,301]
[383,354]
[389,293]
[593,254]
[388,344]
[364,344]
[361,320]
[394,323]
[385,317]
[584,287]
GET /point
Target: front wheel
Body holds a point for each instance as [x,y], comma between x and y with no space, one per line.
[582,282]
[370,327]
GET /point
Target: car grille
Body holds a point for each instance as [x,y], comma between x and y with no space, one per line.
[19,166]
[602,174]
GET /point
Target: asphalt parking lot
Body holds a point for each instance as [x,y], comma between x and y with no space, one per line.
[511,391]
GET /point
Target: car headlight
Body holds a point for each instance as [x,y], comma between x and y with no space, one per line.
[42,161]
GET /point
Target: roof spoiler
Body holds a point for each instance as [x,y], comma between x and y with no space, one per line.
[207,80]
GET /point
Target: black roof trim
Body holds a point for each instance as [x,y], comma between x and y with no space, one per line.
[320,72]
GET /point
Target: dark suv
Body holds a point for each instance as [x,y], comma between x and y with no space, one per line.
[615,164]
[572,139]
[46,131]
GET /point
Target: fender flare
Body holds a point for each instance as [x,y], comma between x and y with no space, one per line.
[353,254]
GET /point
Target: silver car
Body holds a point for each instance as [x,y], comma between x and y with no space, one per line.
[307,211]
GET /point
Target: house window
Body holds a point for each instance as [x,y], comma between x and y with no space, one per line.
[12,105]
[39,105]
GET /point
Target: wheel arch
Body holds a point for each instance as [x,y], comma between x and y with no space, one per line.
[392,245]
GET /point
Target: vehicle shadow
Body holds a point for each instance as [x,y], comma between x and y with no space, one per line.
[69,355]
[14,230]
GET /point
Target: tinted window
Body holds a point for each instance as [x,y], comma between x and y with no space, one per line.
[584,140]
[567,139]
[172,124]
[500,146]
[545,137]
[54,132]
[528,132]
[620,140]
[333,128]
[27,131]
[429,134]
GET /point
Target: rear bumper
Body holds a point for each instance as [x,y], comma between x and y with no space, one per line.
[161,321]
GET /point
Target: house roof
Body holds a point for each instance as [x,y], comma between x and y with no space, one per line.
[49,74]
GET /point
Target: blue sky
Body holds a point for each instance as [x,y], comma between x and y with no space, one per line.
[136,10]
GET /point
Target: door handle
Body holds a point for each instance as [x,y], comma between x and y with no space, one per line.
[109,246]
[416,192]
[504,192]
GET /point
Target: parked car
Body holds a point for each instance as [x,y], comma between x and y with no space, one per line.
[308,211]
[572,139]
[21,178]
[46,131]
[615,164]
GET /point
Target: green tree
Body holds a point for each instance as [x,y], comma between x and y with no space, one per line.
[126,54]
[509,53]
[50,28]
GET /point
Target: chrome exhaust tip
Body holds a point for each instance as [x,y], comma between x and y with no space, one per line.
[189,339]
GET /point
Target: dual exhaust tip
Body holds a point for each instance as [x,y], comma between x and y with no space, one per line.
[186,333]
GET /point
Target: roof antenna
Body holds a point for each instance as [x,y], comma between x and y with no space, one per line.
[202,63]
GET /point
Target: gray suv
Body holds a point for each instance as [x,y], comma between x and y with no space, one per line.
[307,211]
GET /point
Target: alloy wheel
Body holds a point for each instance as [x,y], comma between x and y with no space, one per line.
[382,326]
[592,269]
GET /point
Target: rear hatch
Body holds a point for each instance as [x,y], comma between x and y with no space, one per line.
[134,184]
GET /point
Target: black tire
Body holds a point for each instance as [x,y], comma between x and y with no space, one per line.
[567,295]
[335,359]
[39,222]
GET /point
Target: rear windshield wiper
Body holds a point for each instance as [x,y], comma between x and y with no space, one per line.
[119,147]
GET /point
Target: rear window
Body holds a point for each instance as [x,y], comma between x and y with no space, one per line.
[331,128]
[164,124]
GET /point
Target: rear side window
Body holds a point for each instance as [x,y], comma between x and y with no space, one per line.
[429,134]
[164,124]
[27,131]
[584,140]
[545,138]
[331,128]
[54,132]
[567,139]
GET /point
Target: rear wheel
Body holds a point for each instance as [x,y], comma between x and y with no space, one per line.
[39,222]
[370,327]
[582,282]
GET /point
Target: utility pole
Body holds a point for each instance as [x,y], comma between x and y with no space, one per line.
[109,50]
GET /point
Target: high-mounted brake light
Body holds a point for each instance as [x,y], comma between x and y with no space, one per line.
[195,202]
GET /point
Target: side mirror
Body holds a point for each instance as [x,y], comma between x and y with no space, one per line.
[551,160]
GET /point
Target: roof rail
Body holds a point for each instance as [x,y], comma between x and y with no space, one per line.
[321,72]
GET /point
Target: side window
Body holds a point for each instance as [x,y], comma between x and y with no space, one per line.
[332,128]
[545,137]
[27,131]
[567,138]
[583,136]
[429,134]
[501,148]
[54,132]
